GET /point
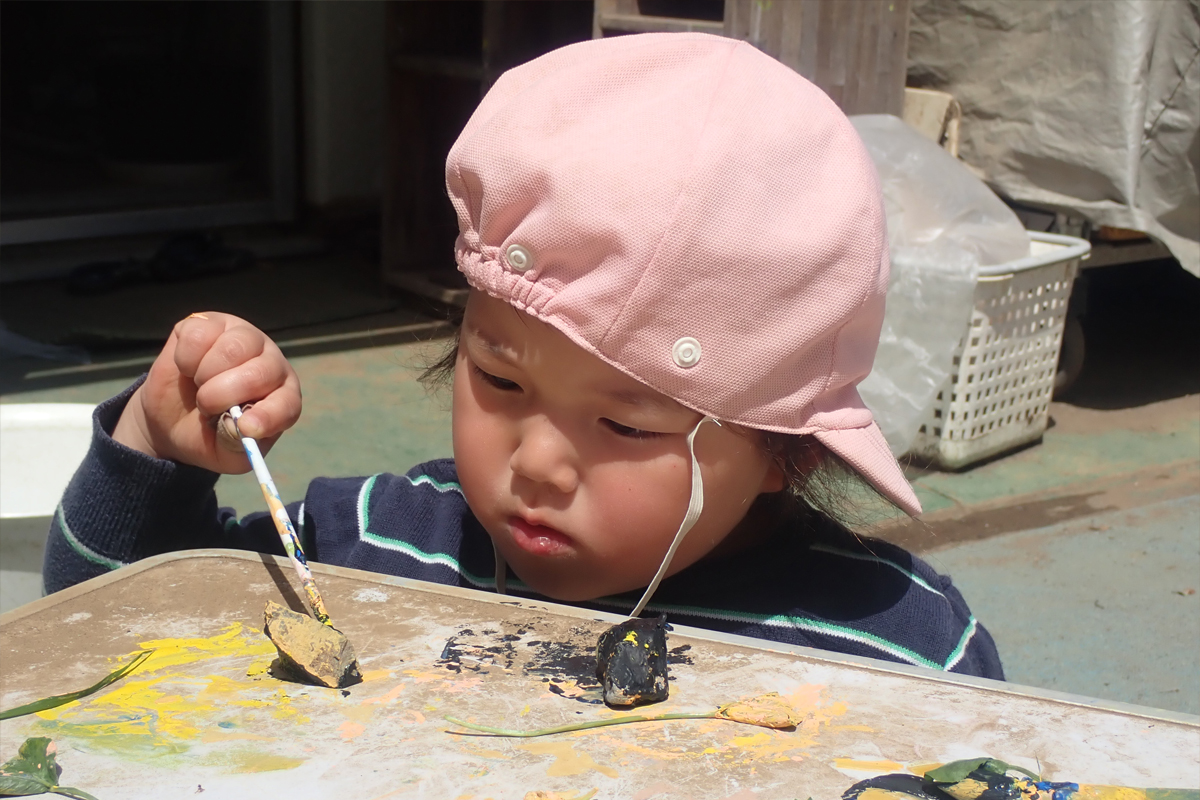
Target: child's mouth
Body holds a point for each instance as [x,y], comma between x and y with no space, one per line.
[537,539]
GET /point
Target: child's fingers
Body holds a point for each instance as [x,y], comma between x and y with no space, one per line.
[274,414]
[247,382]
[193,337]
[238,345]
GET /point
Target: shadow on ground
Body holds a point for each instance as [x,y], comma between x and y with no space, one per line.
[1141,327]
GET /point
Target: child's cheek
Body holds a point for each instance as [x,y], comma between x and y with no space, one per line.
[639,505]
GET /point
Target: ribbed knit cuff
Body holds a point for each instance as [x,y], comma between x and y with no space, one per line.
[126,505]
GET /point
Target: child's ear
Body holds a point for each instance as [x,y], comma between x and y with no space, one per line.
[774,480]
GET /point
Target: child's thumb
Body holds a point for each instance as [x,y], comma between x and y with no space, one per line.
[227,434]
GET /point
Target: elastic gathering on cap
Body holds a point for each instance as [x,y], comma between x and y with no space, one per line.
[519,258]
[686,352]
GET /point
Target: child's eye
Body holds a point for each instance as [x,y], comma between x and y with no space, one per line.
[503,384]
[628,432]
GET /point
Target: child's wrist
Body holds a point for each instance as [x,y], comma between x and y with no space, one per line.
[130,429]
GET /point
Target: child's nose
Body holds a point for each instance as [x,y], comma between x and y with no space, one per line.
[545,455]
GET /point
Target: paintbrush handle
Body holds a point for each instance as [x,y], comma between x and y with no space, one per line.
[283,523]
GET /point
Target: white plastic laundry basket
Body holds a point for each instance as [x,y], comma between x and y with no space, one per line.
[999,396]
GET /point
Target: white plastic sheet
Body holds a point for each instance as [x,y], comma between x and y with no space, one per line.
[1087,107]
[943,224]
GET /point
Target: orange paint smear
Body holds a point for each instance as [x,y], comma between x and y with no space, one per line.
[880,767]
[392,694]
[350,729]
[567,760]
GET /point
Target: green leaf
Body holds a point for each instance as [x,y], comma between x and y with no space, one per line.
[62,699]
[957,771]
[33,766]
[35,771]
[78,794]
[21,785]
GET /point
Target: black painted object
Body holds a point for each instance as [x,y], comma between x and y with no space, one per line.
[631,662]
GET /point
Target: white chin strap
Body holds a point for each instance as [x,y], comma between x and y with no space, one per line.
[695,506]
[501,571]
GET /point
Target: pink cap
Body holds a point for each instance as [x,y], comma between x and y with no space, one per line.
[696,214]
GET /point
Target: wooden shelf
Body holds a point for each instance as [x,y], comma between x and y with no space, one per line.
[636,23]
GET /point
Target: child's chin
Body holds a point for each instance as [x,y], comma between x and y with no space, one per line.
[564,590]
[564,593]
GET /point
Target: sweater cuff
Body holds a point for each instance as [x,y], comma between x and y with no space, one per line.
[125,504]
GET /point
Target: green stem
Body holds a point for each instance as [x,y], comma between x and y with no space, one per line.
[1023,771]
[63,699]
[577,726]
[70,791]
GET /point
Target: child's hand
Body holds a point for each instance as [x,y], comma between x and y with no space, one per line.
[211,362]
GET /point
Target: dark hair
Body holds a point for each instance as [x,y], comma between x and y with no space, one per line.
[815,479]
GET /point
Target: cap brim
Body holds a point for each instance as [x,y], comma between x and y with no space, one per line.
[867,452]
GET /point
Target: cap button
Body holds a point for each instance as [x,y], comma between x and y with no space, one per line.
[686,352]
[518,258]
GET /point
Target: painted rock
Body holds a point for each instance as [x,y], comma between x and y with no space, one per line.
[631,662]
[309,652]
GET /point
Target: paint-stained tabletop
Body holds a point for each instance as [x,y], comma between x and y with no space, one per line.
[203,714]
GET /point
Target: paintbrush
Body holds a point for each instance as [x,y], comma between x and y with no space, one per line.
[283,524]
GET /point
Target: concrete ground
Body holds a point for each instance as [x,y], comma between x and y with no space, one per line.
[1104,605]
[1080,553]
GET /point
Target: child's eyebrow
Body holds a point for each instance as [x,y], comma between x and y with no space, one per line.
[488,343]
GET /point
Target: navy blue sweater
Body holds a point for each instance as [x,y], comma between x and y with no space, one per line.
[811,583]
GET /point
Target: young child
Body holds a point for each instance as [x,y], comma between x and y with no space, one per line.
[678,258]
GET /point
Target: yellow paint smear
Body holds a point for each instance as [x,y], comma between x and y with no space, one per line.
[262,762]
[357,713]
[875,793]
[161,708]
[921,769]
[1096,792]
[868,766]
[567,760]
[483,752]
[230,642]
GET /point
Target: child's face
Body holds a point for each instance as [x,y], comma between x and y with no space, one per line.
[579,473]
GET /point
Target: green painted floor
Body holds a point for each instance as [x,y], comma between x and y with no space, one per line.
[1082,447]
[1104,606]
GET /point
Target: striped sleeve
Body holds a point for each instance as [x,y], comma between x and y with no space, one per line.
[122,506]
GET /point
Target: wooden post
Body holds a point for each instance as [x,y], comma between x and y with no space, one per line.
[855,50]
